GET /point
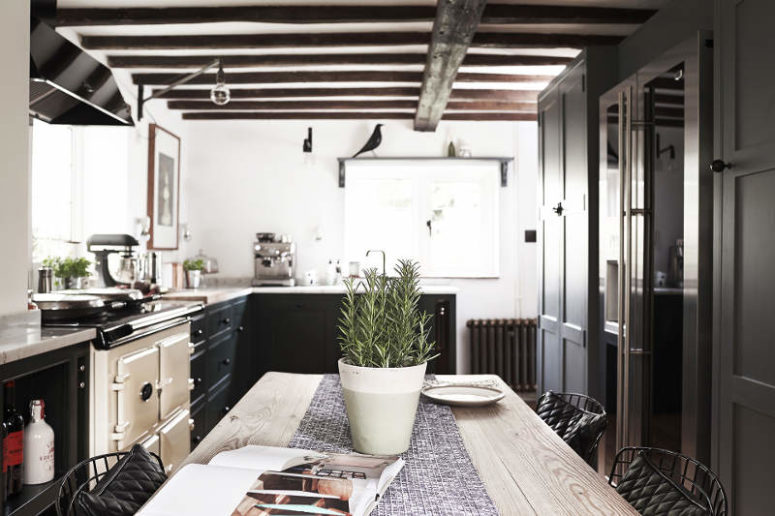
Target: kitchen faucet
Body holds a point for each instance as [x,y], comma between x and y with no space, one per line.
[384,272]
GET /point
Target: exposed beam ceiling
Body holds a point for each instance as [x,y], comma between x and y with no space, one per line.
[493,13]
[344,39]
[453,30]
[248,61]
[352,115]
[481,105]
[279,93]
[335,76]
[289,61]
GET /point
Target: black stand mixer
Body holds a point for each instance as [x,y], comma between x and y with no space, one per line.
[103,246]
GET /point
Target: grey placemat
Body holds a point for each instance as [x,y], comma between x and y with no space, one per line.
[438,478]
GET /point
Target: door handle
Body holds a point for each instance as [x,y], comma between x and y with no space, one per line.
[719,165]
[429,224]
[558,209]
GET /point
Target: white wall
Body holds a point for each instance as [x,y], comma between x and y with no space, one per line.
[245,177]
[14,150]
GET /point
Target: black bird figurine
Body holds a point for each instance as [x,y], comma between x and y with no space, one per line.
[374,140]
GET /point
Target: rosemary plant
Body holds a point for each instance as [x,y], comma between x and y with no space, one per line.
[381,324]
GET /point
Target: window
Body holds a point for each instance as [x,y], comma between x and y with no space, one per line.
[79,180]
[442,213]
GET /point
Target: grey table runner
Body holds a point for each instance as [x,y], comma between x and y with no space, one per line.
[438,477]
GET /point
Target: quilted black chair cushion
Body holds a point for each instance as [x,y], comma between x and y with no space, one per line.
[579,428]
[652,493]
[125,488]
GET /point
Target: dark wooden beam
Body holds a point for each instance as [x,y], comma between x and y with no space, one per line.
[279,93]
[332,76]
[303,14]
[306,40]
[245,61]
[453,30]
[301,105]
[341,115]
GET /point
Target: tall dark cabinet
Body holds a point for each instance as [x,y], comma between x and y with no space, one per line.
[744,354]
[567,357]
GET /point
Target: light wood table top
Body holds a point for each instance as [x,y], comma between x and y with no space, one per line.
[526,467]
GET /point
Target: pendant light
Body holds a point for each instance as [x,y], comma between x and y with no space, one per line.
[220,94]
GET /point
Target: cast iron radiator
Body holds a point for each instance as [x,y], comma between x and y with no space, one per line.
[506,347]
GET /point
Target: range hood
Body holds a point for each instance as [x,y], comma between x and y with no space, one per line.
[68,86]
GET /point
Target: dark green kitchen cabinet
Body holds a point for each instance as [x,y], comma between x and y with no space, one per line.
[298,333]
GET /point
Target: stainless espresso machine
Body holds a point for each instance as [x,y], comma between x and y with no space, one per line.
[274,257]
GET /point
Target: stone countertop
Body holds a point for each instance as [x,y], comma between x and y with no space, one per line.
[208,296]
[25,339]
[218,295]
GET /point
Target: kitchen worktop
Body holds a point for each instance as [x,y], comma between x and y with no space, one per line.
[23,337]
[217,295]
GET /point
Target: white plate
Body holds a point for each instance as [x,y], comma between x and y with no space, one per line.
[463,395]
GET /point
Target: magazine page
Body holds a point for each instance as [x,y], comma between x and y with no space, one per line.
[261,458]
[200,490]
[339,484]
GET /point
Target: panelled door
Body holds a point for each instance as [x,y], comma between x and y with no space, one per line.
[745,255]
[549,348]
[563,222]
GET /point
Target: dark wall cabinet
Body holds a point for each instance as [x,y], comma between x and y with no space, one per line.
[567,357]
[61,379]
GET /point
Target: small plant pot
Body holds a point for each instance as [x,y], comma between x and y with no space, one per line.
[381,406]
[193,279]
[74,282]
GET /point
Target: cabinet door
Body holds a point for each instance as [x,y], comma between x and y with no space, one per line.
[175,440]
[443,331]
[574,230]
[297,333]
[138,402]
[549,348]
[743,262]
[174,372]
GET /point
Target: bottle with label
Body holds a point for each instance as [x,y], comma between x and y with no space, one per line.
[13,442]
[38,446]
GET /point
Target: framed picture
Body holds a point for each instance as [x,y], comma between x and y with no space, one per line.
[163,188]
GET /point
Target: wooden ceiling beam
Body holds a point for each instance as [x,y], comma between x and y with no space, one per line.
[305,14]
[352,115]
[278,93]
[245,61]
[453,30]
[349,39]
[332,76]
[301,105]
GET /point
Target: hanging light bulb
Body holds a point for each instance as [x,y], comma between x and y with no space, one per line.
[220,94]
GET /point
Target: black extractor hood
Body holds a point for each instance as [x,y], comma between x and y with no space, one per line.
[68,86]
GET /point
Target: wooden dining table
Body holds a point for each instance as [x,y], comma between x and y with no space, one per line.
[525,466]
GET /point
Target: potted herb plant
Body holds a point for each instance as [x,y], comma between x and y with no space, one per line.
[69,271]
[385,351]
[193,270]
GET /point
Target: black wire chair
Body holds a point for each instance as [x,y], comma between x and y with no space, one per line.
[84,476]
[578,419]
[693,476]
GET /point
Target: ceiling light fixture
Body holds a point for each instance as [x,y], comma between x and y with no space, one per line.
[220,94]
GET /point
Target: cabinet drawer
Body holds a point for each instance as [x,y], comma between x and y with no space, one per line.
[220,358]
[199,373]
[219,320]
[198,329]
[217,406]
[198,414]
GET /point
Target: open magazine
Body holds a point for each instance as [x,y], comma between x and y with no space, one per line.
[264,480]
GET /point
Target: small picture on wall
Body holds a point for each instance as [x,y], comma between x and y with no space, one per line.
[163,187]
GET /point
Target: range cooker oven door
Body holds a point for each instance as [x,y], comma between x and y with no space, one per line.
[135,384]
[174,357]
[175,440]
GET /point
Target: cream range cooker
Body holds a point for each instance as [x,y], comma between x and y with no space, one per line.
[140,380]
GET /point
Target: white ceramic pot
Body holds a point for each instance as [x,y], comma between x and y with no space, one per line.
[381,405]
